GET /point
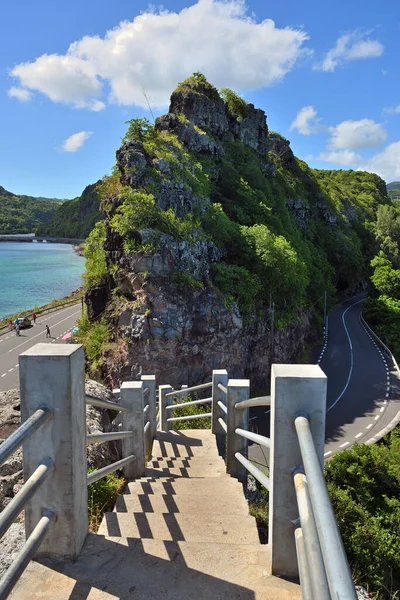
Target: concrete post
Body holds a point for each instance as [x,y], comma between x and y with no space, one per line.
[133,420]
[53,375]
[294,389]
[149,381]
[218,376]
[163,403]
[183,397]
[238,390]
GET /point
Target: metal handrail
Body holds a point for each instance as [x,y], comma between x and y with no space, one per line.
[316,570]
[101,438]
[12,510]
[27,552]
[191,403]
[100,473]
[146,408]
[222,407]
[222,388]
[254,437]
[304,572]
[16,439]
[194,388]
[259,401]
[146,391]
[337,569]
[189,418]
[253,470]
[92,401]
[147,428]
[223,424]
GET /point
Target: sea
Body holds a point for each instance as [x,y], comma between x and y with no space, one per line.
[34,274]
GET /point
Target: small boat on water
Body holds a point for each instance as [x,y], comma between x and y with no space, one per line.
[44,241]
[34,241]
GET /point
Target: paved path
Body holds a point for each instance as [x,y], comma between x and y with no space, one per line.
[363,388]
[11,346]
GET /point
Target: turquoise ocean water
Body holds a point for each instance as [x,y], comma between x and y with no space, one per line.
[35,274]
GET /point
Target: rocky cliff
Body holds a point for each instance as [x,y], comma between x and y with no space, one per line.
[210,220]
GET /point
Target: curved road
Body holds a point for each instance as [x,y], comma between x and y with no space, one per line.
[362,390]
[363,393]
[11,346]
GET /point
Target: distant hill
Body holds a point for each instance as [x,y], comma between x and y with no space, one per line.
[394,190]
[24,214]
[75,218]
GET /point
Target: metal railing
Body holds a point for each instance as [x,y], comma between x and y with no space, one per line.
[39,417]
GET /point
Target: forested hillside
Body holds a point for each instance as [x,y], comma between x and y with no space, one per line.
[394,190]
[75,218]
[24,214]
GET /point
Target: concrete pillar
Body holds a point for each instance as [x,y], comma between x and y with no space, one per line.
[149,381]
[53,375]
[183,397]
[294,389]
[238,390]
[133,420]
[163,403]
[218,376]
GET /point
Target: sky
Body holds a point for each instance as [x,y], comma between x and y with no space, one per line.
[72,73]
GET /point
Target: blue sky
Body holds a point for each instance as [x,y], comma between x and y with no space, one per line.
[72,73]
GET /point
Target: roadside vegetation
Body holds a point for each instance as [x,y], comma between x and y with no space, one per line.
[24,214]
[102,495]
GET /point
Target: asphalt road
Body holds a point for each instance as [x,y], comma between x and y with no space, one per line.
[11,346]
[363,393]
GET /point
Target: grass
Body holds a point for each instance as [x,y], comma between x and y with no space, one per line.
[102,495]
[197,409]
[76,295]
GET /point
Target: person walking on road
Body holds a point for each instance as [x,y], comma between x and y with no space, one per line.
[34,318]
[48,334]
[17,332]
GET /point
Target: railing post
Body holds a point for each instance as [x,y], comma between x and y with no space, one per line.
[294,389]
[133,420]
[150,382]
[238,390]
[53,375]
[163,403]
[218,376]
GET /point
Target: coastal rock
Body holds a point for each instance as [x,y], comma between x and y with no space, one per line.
[281,147]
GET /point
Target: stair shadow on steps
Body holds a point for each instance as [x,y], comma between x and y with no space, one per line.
[140,570]
[180,444]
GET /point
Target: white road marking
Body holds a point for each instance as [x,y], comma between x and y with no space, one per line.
[328,453]
[42,332]
[369,426]
[4,374]
[382,409]
[17,366]
[358,435]
[343,445]
[12,369]
[376,418]
[351,356]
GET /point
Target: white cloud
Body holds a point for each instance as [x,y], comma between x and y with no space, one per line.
[345,158]
[160,48]
[355,135]
[75,141]
[306,121]
[385,163]
[20,93]
[392,110]
[351,46]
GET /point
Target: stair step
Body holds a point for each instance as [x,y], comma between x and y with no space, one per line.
[188,472]
[201,486]
[184,502]
[180,527]
[177,461]
[150,570]
[192,442]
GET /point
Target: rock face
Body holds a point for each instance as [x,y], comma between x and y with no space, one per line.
[173,321]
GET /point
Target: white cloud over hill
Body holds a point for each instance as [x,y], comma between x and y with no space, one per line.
[159,48]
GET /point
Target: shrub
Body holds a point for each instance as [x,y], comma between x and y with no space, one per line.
[196,409]
[235,103]
[95,338]
[96,268]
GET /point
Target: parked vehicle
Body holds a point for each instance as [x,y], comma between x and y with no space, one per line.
[23,322]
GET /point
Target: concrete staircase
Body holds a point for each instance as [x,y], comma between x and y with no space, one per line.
[182,531]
